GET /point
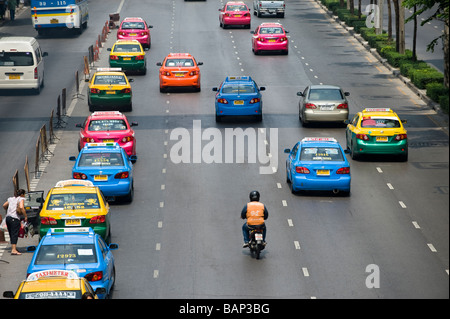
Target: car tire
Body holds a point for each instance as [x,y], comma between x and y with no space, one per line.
[218,118]
[129,198]
[352,153]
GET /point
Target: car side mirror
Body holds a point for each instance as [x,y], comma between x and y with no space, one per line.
[150,26]
[214,89]
[252,32]
[72,158]
[262,88]
[130,80]
[31,248]
[113,246]
[347,151]
[44,54]
[346,93]
[133,158]
[404,121]
[286,31]
[199,63]
[299,93]
[78,125]
[158,63]
[134,123]
[287,150]
[347,122]
[108,49]
[8,294]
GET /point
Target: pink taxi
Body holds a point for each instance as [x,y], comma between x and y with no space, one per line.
[108,127]
[135,29]
[235,13]
[270,36]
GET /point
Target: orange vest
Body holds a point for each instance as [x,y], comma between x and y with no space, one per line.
[255,213]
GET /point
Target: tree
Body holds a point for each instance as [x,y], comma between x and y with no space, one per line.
[399,26]
[439,10]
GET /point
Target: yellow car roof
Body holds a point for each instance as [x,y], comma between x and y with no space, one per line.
[51,280]
[379,112]
[126,42]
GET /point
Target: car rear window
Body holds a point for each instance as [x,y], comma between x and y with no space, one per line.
[73,201]
[16,58]
[329,154]
[107,125]
[66,254]
[236,7]
[376,122]
[133,25]
[179,62]
[325,94]
[100,159]
[110,79]
[274,30]
[127,48]
[238,88]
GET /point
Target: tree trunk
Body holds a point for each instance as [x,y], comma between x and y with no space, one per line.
[414,57]
[389,20]
[401,33]
[446,49]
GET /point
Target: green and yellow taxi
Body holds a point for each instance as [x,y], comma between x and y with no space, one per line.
[377,131]
[110,88]
[75,203]
[54,284]
[128,55]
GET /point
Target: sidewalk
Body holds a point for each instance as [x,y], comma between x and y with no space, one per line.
[20,9]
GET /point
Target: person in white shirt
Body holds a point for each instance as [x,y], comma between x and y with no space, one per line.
[15,208]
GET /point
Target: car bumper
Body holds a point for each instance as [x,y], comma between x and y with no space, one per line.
[397,148]
[122,188]
[184,81]
[260,46]
[237,21]
[105,100]
[146,40]
[101,229]
[128,66]
[100,284]
[326,116]
[302,182]
[19,84]
[255,109]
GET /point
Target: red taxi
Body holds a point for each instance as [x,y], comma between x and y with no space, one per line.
[135,29]
[108,127]
[235,13]
[270,36]
[179,70]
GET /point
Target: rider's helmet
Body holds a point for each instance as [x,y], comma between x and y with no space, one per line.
[254,196]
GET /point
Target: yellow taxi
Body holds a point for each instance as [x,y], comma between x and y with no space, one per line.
[377,131]
[54,284]
[75,203]
[110,88]
[128,55]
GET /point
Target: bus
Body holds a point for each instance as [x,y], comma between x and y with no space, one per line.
[59,14]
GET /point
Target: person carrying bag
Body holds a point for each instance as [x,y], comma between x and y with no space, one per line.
[15,209]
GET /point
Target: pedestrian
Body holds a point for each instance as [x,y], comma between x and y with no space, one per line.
[15,209]
[2,9]
[12,4]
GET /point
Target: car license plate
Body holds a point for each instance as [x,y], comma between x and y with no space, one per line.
[127,59]
[382,138]
[100,178]
[133,34]
[272,40]
[325,107]
[110,92]
[14,76]
[179,74]
[238,102]
[54,21]
[108,141]
[237,15]
[258,236]
[323,172]
[73,222]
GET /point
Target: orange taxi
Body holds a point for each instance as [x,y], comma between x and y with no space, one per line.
[179,70]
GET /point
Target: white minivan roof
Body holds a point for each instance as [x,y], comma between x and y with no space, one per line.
[19,41]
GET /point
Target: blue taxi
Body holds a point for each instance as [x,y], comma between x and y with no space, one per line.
[76,249]
[108,167]
[238,95]
[318,163]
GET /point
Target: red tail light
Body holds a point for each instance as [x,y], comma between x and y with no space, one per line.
[139,57]
[193,73]
[99,219]
[166,73]
[343,170]
[144,33]
[95,91]
[48,221]
[247,14]
[122,175]
[88,140]
[260,39]
[76,175]
[127,139]
[36,75]
[310,106]
[282,39]
[113,57]
[363,137]
[342,106]
[301,170]
[223,101]
[94,276]
[126,90]
[255,100]
[400,137]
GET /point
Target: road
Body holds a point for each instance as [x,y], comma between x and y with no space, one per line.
[181,236]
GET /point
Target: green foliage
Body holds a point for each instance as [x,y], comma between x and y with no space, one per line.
[394,58]
[443,102]
[435,90]
[407,65]
[421,77]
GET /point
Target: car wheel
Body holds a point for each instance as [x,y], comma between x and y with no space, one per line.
[129,198]
[162,89]
[218,118]
[352,153]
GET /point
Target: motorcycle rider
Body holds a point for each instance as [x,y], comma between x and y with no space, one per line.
[255,213]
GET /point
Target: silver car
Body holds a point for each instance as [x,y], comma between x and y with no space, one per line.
[323,103]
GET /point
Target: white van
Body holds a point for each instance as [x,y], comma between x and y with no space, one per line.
[21,64]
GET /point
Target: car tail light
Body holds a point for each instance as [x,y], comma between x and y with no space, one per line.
[282,39]
[301,170]
[342,106]
[400,137]
[35,73]
[126,90]
[363,137]
[343,170]
[88,140]
[127,139]
[227,14]
[247,14]
[139,57]
[122,175]
[95,91]
[223,101]
[255,100]
[122,33]
[94,276]
[166,73]
[77,175]
[48,221]
[310,106]
[99,219]
[260,39]
[144,33]
[193,73]
[113,57]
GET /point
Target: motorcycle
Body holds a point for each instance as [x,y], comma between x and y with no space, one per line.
[256,243]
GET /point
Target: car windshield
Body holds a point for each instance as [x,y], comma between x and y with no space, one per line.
[100,159]
[107,125]
[110,80]
[236,7]
[127,48]
[325,94]
[33,199]
[274,30]
[329,154]
[179,62]
[65,294]
[376,122]
[66,254]
[133,25]
[16,58]
[238,88]
[73,201]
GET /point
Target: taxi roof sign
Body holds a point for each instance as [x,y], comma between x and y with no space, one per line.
[319,139]
[239,78]
[385,109]
[99,113]
[69,274]
[109,69]
[90,145]
[74,230]
[74,182]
